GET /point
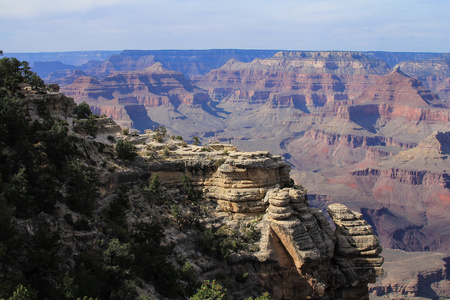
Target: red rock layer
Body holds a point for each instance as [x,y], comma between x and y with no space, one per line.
[397,88]
[319,77]
[150,87]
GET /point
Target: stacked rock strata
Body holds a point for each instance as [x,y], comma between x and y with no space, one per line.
[357,249]
[240,184]
[297,242]
[303,230]
[336,264]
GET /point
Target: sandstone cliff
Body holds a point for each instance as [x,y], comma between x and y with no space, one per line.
[298,255]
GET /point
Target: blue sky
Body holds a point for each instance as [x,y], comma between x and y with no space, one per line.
[384,25]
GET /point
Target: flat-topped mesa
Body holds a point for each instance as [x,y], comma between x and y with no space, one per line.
[313,62]
[136,87]
[434,73]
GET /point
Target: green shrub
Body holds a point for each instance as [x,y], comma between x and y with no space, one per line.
[196,141]
[153,185]
[87,125]
[152,258]
[68,218]
[193,194]
[82,224]
[17,193]
[126,150]
[13,119]
[22,293]
[82,110]
[189,275]
[222,241]
[14,72]
[81,188]
[265,296]
[36,82]
[210,291]
[184,219]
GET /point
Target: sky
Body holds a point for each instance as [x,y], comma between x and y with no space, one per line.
[357,25]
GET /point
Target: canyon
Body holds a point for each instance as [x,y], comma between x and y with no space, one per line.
[355,130]
[165,212]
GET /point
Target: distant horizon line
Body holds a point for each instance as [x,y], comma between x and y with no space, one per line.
[214,49]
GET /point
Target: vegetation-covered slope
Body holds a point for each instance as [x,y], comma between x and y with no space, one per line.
[57,239]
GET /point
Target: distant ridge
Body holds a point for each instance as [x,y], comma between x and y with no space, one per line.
[191,63]
[76,58]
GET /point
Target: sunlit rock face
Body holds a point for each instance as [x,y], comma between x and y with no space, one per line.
[297,242]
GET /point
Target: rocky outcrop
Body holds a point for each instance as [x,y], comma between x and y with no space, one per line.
[357,249]
[237,181]
[297,242]
[50,100]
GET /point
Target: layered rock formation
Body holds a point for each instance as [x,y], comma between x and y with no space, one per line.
[357,247]
[433,72]
[143,99]
[316,78]
[418,187]
[101,63]
[359,154]
[297,242]
[238,185]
